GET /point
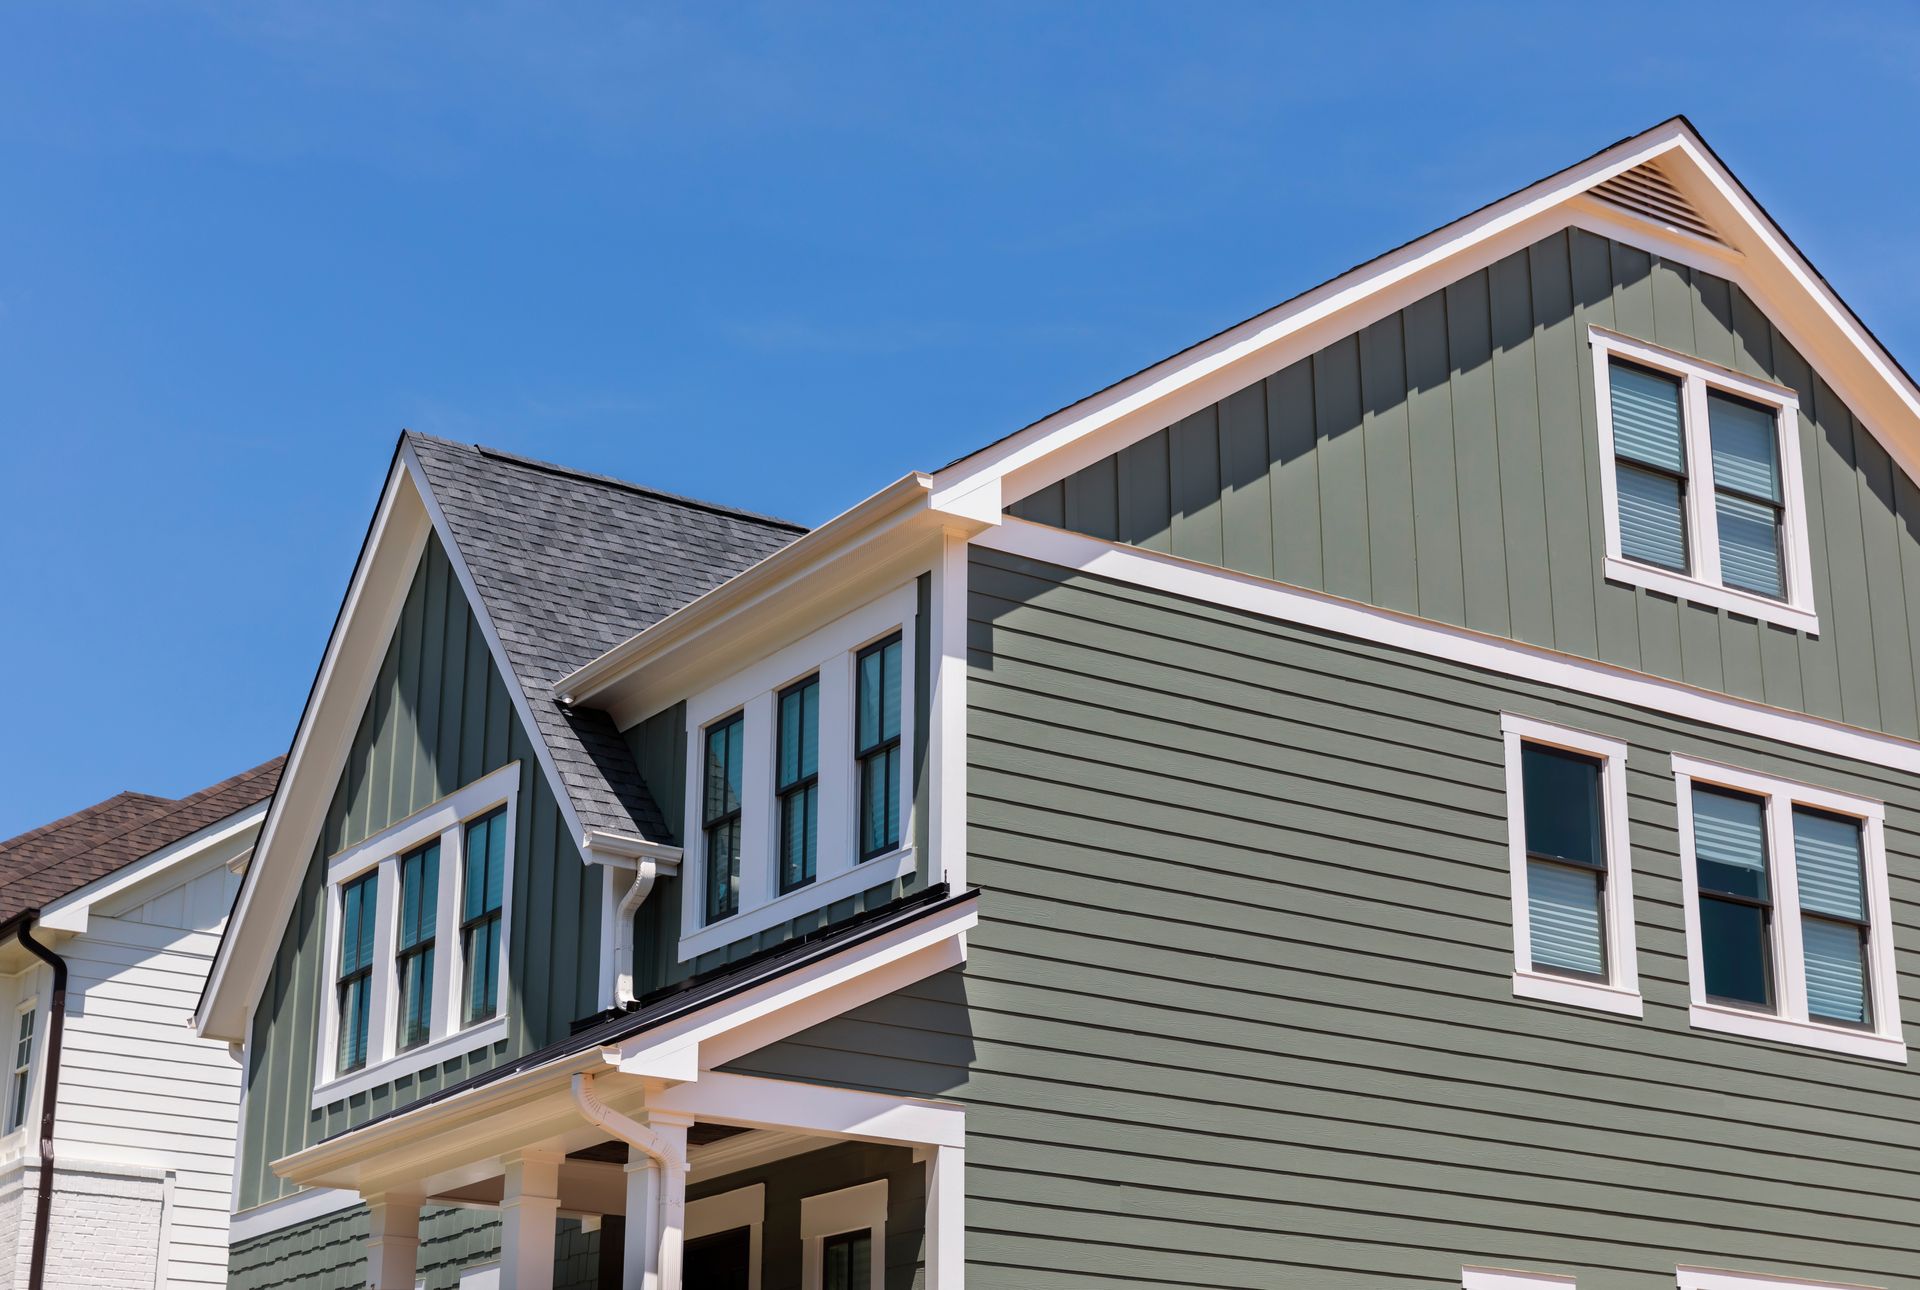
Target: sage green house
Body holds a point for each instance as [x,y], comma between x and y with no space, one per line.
[1421,789]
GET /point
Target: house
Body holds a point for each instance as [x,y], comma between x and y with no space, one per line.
[108,921]
[1415,790]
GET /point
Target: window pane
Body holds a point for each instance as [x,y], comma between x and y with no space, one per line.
[419,895]
[1737,947]
[1831,868]
[1836,970]
[486,864]
[880,803]
[1646,418]
[890,690]
[867,700]
[354,997]
[1749,545]
[799,825]
[1653,525]
[1730,843]
[1564,919]
[723,870]
[799,722]
[1745,447]
[482,952]
[724,743]
[847,1261]
[1562,792]
[416,998]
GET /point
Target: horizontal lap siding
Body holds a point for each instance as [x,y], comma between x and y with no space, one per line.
[440,717]
[1238,1011]
[1445,462]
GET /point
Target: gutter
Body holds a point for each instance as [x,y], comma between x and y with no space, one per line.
[49,1097]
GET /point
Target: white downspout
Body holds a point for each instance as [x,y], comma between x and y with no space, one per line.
[656,1187]
[651,861]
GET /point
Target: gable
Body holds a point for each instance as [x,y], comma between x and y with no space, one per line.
[439,717]
[1444,462]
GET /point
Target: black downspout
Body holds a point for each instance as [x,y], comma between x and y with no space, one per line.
[49,1099]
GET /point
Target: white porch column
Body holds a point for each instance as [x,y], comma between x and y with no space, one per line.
[393,1241]
[529,1208]
[657,1206]
[946,1218]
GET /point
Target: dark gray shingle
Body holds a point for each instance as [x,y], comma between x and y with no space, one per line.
[569,565]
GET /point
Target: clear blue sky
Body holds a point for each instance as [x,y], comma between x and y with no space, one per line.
[772,256]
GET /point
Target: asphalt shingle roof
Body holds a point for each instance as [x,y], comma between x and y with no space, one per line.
[569,565]
[42,865]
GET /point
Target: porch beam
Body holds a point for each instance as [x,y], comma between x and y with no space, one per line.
[796,1107]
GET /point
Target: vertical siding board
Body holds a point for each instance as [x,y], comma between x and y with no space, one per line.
[1091,500]
[1436,495]
[1245,462]
[1044,506]
[1753,354]
[1886,587]
[1194,464]
[1389,458]
[1146,504]
[1906,496]
[1341,450]
[1819,657]
[1483,539]
[1571,556]
[1616,608]
[433,652]
[407,769]
[1296,480]
[1851,624]
[473,714]
[1517,422]
[453,688]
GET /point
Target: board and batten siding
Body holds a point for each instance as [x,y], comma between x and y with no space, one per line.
[659,748]
[136,1087]
[1445,462]
[440,717]
[1238,1011]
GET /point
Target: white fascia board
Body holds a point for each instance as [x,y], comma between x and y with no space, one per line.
[375,595]
[1462,645]
[1757,257]
[70,912]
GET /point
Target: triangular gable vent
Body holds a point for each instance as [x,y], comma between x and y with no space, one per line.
[1647,192]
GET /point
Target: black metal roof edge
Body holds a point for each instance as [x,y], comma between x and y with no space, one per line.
[625,1025]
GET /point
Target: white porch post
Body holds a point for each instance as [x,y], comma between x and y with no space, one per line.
[529,1208]
[393,1241]
[657,1206]
[946,1218]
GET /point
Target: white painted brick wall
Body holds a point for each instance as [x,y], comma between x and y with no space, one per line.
[106,1230]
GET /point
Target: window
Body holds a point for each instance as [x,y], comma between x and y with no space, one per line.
[413,965]
[877,745]
[1571,874]
[1708,1279]
[1501,1279]
[797,792]
[20,1083]
[1702,490]
[797,782]
[723,1239]
[843,1238]
[720,820]
[486,856]
[400,1000]
[1787,912]
[353,989]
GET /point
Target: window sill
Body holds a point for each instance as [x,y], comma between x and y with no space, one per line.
[1730,599]
[1801,1034]
[882,869]
[1548,988]
[411,1062]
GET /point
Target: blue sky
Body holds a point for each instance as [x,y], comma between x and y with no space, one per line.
[775,256]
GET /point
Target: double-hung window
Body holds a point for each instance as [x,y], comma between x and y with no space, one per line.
[20,1079]
[1702,482]
[1787,911]
[1571,874]
[877,745]
[402,996]
[798,793]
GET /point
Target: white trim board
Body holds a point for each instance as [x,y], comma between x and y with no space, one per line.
[1689,1278]
[1461,645]
[1501,1279]
[303,1206]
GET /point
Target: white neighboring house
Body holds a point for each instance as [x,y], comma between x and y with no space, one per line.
[130,896]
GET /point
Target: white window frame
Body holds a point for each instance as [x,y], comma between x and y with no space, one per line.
[446,820]
[834,1213]
[838,871]
[1620,993]
[1502,1279]
[27,1007]
[1702,584]
[1687,1278]
[1791,1024]
[730,1210]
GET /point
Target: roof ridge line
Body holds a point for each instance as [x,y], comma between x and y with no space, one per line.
[626,485]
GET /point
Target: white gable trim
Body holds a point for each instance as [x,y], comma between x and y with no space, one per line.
[70,913]
[1758,258]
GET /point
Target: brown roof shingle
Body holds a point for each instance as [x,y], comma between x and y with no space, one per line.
[41,865]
